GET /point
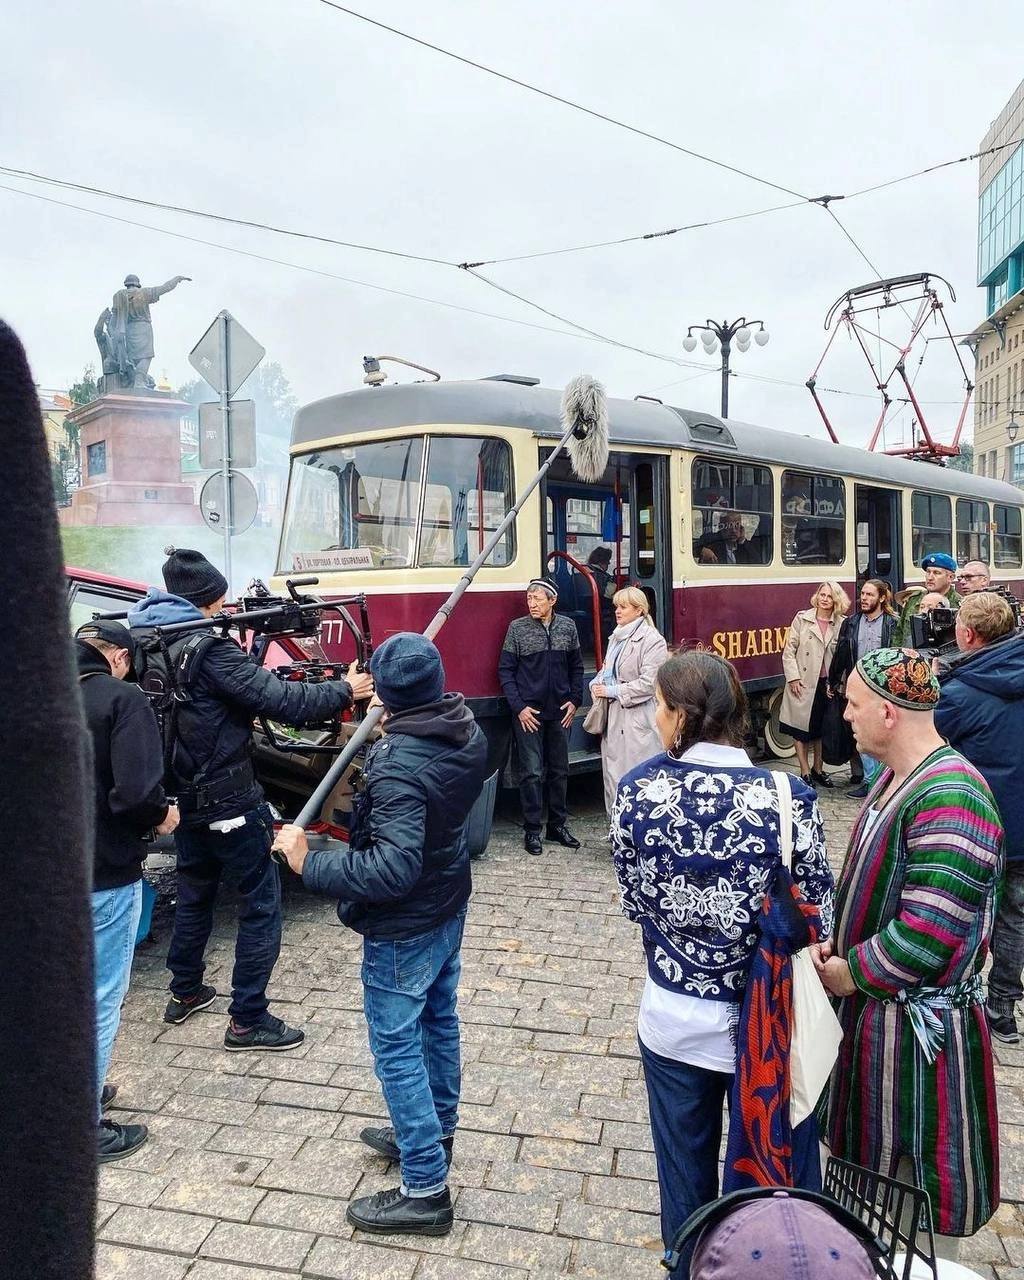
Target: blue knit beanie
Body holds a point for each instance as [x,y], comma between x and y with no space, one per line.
[407,671]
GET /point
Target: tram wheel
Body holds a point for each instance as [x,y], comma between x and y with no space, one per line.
[779,743]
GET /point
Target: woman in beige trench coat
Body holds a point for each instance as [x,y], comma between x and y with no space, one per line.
[805,662]
[635,652]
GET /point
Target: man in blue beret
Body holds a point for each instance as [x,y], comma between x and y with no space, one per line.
[939,575]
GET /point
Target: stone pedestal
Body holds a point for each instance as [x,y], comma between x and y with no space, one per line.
[131,463]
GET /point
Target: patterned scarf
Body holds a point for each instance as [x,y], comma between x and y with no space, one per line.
[759,1152]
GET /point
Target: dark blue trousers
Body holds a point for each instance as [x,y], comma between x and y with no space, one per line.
[686,1125]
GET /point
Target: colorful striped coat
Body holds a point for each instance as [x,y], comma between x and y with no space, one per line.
[914,910]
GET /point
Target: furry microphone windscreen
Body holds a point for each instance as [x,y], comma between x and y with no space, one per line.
[47,1051]
[585,412]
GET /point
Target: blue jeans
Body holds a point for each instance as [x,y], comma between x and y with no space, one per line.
[115,921]
[409,992]
[242,856]
[686,1125]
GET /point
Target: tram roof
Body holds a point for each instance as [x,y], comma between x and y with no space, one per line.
[633,424]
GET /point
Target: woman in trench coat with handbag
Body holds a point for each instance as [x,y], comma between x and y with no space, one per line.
[623,691]
[806,658]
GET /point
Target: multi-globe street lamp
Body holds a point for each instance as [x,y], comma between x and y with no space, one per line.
[712,334]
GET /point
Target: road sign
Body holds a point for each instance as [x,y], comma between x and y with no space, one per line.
[244,502]
[211,434]
[244,354]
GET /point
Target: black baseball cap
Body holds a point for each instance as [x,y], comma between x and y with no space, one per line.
[112,632]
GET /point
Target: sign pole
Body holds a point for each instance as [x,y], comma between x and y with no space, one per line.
[225,464]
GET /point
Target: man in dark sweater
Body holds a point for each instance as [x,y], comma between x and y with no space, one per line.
[227,827]
[129,803]
[404,884]
[541,673]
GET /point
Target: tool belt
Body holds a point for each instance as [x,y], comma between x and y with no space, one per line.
[204,794]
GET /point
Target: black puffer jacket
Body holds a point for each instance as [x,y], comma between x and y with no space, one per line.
[128,769]
[407,868]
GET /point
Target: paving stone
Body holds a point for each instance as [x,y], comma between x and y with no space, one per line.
[614,1226]
[599,1261]
[113,1262]
[281,1066]
[350,1260]
[311,1124]
[214,1199]
[459,1269]
[310,1176]
[511,1247]
[619,1192]
[302,1212]
[158,1229]
[534,1211]
[316,1097]
[234,1242]
[210,1084]
[557,1153]
[215,1166]
[129,1186]
[262,1143]
[504,1175]
[542,1122]
[204,1269]
[104,1210]
[215,1110]
[634,1137]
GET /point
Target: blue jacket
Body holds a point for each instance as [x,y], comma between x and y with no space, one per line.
[541,667]
[406,870]
[214,728]
[981,714]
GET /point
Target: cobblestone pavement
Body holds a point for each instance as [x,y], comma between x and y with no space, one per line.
[253,1158]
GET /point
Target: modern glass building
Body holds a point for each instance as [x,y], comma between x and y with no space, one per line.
[1001,231]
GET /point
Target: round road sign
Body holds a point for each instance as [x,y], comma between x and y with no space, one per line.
[243,502]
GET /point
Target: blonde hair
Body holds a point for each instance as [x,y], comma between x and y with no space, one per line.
[635,597]
[987,614]
[840,600]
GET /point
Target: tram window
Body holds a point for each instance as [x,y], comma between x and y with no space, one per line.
[353,508]
[646,521]
[813,518]
[1008,537]
[972,532]
[931,522]
[468,493]
[732,513]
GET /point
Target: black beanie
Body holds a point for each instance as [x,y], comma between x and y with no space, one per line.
[407,671]
[190,575]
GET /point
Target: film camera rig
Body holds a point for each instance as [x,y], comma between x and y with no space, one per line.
[261,620]
[934,633]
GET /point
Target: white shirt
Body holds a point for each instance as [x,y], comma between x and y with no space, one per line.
[686,1028]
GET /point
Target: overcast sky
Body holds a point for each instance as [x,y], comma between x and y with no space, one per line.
[288,112]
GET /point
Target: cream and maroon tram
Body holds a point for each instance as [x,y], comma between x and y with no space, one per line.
[393,490]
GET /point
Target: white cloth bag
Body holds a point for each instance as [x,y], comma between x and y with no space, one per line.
[817,1034]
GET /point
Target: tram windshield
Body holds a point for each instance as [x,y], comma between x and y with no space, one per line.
[423,501]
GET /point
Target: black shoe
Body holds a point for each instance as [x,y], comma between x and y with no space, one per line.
[856,779]
[383,1142]
[271,1035]
[562,835]
[532,844]
[178,1010]
[809,779]
[390,1212]
[858,793]
[1003,1027]
[821,779]
[117,1141]
[107,1095]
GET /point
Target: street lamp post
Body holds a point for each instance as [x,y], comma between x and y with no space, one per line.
[713,334]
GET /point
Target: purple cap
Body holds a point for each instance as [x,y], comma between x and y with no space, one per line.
[780,1238]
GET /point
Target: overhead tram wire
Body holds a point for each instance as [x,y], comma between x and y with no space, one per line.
[554,97]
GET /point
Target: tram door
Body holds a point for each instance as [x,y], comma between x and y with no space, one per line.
[878,535]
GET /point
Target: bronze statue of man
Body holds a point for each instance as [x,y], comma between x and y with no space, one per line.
[124,332]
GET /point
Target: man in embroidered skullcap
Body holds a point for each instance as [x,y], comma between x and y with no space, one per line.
[913,1092]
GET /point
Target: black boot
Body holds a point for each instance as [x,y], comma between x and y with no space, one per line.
[383,1142]
[562,835]
[390,1212]
[532,844]
[821,779]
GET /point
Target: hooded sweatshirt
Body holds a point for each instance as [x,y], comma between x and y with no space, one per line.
[981,713]
[406,870]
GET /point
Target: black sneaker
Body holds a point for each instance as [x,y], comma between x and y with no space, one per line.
[532,844]
[107,1095]
[178,1010]
[383,1142]
[117,1141]
[390,1212]
[562,835]
[271,1035]
[1003,1027]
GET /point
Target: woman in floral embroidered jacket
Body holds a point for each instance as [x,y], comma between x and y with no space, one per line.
[695,837]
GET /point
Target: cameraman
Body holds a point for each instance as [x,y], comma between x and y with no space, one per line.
[939,573]
[226,825]
[981,714]
[129,802]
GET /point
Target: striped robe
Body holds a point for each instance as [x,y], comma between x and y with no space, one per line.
[915,906]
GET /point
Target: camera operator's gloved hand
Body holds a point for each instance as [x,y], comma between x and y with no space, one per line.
[170,822]
[361,683]
[291,842]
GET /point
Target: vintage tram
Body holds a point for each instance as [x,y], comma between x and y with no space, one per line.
[727,527]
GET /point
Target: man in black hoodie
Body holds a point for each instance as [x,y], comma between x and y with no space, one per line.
[404,884]
[129,803]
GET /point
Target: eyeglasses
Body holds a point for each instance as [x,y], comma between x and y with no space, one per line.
[971,575]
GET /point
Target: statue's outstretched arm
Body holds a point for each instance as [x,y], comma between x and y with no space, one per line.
[159,290]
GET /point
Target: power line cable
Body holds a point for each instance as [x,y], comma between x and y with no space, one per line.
[554,97]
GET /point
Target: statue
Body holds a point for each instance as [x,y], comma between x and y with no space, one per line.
[124,335]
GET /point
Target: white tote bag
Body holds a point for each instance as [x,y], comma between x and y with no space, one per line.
[817,1034]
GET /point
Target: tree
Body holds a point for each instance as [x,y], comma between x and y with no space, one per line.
[86,389]
[270,391]
[964,460]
